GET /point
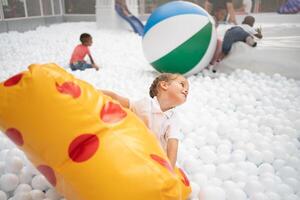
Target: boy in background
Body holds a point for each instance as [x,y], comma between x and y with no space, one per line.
[80,51]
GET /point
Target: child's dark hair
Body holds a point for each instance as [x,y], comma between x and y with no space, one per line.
[153,90]
[249,20]
[84,37]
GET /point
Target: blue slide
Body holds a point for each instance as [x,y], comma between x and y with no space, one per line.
[134,22]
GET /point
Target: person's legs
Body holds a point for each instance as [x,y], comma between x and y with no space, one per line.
[73,67]
[80,65]
[229,39]
[235,34]
[83,65]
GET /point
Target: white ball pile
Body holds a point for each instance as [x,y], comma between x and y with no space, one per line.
[242,137]
[19,180]
[241,130]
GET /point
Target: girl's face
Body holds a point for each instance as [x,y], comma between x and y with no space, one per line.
[177,90]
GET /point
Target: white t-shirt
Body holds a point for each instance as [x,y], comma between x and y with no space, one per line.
[163,124]
[248,29]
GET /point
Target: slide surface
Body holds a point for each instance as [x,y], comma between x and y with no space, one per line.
[134,22]
[267,59]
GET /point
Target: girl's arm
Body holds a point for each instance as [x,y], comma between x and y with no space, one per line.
[122,100]
[172,148]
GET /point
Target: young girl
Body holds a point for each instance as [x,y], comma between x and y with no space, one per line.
[80,51]
[167,91]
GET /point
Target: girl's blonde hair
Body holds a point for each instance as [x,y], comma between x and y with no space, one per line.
[167,77]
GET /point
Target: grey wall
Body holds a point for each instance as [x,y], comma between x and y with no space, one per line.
[26,24]
[79,18]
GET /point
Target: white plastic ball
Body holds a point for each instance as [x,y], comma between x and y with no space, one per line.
[207,155]
[273,196]
[224,149]
[215,181]
[238,156]
[200,179]
[224,171]
[278,164]
[267,156]
[23,188]
[291,197]
[213,193]
[22,196]
[25,176]
[284,189]
[53,194]
[209,170]
[253,187]
[293,183]
[269,184]
[255,157]
[39,182]
[258,196]
[37,195]
[236,194]
[14,165]
[239,176]
[265,168]
[9,182]
[195,190]
[287,172]
[3,195]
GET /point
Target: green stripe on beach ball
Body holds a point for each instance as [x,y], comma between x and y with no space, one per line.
[186,56]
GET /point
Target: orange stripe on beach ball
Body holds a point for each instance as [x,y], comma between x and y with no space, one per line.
[14,80]
[83,147]
[15,135]
[112,113]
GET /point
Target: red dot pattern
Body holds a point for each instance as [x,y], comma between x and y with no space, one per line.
[185,180]
[69,88]
[48,172]
[112,113]
[14,80]
[162,162]
[15,135]
[83,147]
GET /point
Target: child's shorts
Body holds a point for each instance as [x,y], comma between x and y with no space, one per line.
[80,65]
[235,34]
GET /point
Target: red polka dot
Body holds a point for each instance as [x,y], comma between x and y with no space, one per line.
[14,80]
[185,180]
[69,88]
[162,162]
[15,135]
[83,147]
[112,113]
[48,172]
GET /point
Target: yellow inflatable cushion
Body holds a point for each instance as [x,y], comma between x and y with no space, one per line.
[85,144]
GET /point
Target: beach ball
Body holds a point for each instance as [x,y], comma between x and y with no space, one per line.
[179,37]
